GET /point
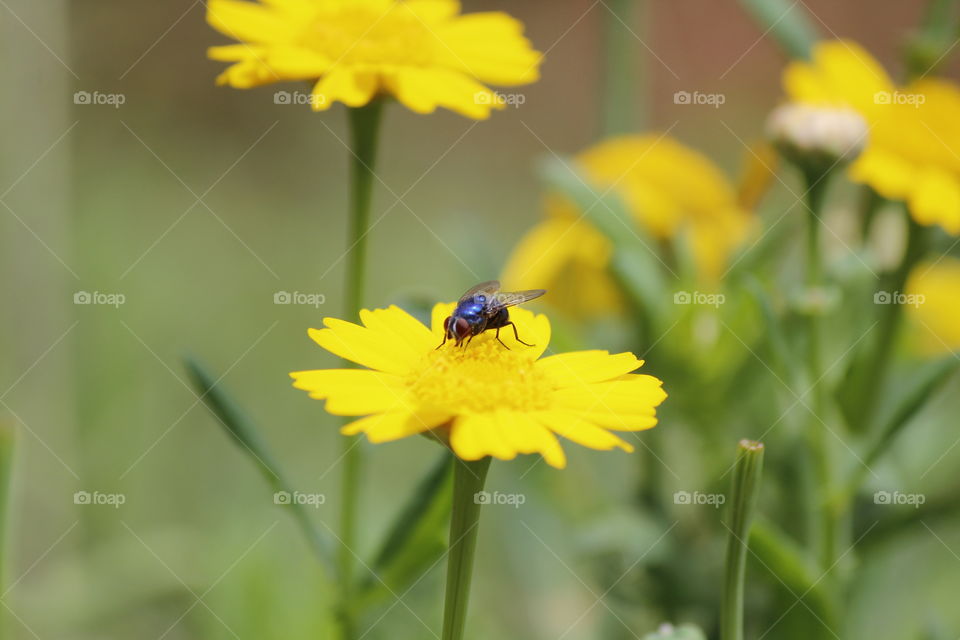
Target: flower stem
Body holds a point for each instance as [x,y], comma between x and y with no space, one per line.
[364,129]
[824,523]
[468,480]
[746,488]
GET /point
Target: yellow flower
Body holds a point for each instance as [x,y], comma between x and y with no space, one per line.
[421,51]
[485,399]
[913,131]
[932,302]
[669,189]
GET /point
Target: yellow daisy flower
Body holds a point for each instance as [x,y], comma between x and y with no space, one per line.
[913,131]
[932,301]
[668,188]
[423,52]
[484,399]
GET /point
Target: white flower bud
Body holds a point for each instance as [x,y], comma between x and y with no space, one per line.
[810,135]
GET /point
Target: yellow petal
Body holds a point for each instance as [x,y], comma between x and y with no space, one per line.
[489,47]
[578,430]
[351,86]
[526,435]
[475,436]
[583,367]
[248,22]
[385,427]
[373,349]
[409,332]
[424,89]
[626,404]
[354,392]
[935,199]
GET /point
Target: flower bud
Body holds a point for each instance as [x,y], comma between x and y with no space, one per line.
[817,138]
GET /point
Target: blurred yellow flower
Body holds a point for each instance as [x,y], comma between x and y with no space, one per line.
[484,399]
[913,133]
[669,189]
[933,302]
[423,52]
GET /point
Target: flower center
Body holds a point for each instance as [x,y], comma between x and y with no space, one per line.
[361,35]
[482,377]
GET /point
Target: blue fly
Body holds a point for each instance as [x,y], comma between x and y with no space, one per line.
[485,307]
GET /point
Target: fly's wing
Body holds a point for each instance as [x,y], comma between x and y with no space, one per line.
[511,298]
[488,289]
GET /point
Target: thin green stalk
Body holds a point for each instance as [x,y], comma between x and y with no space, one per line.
[364,130]
[468,480]
[874,372]
[746,489]
[823,520]
[620,109]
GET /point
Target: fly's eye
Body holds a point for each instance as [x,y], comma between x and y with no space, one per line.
[446,323]
[461,327]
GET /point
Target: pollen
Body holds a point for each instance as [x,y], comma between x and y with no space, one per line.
[482,377]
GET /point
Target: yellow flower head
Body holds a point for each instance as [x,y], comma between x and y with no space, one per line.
[933,302]
[485,399]
[913,132]
[668,188]
[421,51]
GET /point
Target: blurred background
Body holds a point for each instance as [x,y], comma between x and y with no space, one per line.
[193,205]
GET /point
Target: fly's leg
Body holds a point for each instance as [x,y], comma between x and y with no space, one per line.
[501,341]
[515,334]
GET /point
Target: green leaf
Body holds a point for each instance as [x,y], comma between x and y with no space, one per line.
[416,540]
[921,386]
[792,568]
[670,632]
[245,434]
[8,443]
[788,23]
[635,263]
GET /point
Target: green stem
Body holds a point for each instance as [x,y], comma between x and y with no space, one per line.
[874,372]
[468,480]
[824,522]
[746,488]
[364,130]
[620,110]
